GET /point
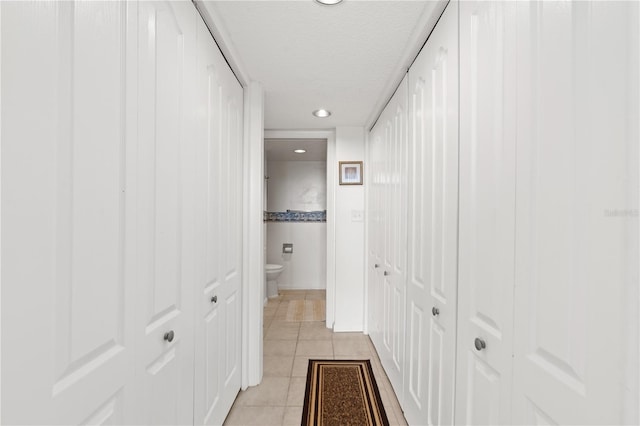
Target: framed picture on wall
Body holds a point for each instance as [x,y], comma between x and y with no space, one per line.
[350,172]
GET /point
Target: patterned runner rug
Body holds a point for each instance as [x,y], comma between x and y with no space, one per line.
[342,392]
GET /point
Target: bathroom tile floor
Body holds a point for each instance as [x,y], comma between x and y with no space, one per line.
[288,346]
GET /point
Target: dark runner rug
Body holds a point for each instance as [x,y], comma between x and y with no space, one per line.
[342,392]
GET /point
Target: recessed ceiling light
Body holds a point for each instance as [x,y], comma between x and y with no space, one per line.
[322,113]
[329,1]
[299,151]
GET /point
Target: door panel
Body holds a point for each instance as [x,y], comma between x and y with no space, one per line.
[487,211]
[417,368]
[99,228]
[390,177]
[166,57]
[482,396]
[67,330]
[90,211]
[375,236]
[212,281]
[433,233]
[573,150]
[209,356]
[231,291]
[219,216]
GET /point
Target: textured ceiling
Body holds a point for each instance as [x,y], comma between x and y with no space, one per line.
[346,58]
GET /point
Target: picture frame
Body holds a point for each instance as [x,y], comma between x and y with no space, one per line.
[350,172]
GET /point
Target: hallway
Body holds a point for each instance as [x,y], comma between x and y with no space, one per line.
[288,346]
[489,247]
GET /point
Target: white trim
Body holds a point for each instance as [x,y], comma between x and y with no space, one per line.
[367,178]
[631,413]
[306,287]
[223,40]
[0,209]
[332,170]
[253,278]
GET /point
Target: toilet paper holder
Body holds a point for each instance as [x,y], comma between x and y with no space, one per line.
[287,248]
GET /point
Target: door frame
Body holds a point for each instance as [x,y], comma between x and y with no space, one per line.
[330,136]
[253,282]
[253,278]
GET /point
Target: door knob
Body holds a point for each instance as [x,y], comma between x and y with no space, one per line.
[435,311]
[385,273]
[376,266]
[168,336]
[480,344]
[214,299]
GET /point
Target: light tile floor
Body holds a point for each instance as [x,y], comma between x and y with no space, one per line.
[288,346]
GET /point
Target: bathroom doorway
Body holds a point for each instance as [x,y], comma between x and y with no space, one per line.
[296,223]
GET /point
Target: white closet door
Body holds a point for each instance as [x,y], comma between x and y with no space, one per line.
[218,223]
[374,170]
[67,305]
[433,221]
[576,209]
[228,290]
[391,274]
[487,212]
[166,62]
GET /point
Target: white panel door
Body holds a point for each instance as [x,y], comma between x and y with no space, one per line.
[487,212]
[374,172]
[392,234]
[166,62]
[219,224]
[67,300]
[433,227]
[576,209]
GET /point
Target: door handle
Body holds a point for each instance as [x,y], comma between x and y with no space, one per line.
[435,311]
[386,273]
[376,266]
[480,344]
[168,336]
[214,299]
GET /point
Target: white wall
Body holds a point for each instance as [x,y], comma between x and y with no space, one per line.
[298,185]
[305,268]
[349,235]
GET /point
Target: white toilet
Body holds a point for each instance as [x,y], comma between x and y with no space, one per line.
[273,272]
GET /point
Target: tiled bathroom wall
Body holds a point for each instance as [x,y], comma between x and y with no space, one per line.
[296,214]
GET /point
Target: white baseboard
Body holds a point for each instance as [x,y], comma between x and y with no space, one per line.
[284,287]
